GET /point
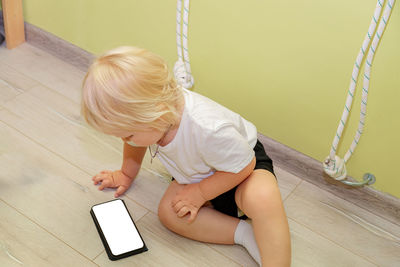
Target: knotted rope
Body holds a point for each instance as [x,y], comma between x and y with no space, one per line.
[182,70]
[333,165]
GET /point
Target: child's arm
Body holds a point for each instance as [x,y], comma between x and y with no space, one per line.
[221,182]
[193,196]
[132,160]
[122,179]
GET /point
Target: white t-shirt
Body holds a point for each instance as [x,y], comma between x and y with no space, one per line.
[210,138]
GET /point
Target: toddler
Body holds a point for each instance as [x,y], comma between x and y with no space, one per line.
[217,164]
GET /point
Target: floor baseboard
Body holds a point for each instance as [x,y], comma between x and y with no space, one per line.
[307,168]
[58,47]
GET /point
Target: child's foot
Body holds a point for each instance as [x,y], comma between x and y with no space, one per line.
[244,236]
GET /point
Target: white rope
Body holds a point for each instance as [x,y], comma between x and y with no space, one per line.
[334,166]
[182,70]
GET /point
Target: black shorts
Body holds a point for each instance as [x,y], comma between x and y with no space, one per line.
[226,203]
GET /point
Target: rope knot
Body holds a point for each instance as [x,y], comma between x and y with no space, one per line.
[182,76]
[335,168]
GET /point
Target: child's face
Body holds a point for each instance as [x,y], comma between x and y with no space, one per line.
[143,138]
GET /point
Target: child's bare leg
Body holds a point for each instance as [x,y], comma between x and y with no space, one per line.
[259,198]
[209,226]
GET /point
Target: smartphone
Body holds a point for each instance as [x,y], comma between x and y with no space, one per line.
[117,230]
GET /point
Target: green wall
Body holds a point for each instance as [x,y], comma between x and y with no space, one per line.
[284,65]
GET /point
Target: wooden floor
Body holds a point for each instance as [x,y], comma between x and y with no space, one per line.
[47,156]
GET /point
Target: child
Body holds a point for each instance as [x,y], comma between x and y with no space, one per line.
[212,153]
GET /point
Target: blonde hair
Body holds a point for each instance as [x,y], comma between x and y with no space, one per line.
[130,89]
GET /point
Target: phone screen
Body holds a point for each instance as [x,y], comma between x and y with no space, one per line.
[117,226]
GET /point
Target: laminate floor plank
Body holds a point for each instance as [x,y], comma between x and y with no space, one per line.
[14,78]
[46,69]
[51,192]
[60,131]
[354,228]
[287,182]
[7,93]
[312,250]
[22,242]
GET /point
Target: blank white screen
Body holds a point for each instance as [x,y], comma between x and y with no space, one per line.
[117,226]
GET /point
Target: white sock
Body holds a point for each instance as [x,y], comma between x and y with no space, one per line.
[244,236]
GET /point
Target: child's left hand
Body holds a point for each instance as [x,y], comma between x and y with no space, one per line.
[188,200]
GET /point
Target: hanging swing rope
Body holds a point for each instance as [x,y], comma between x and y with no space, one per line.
[334,166]
[182,70]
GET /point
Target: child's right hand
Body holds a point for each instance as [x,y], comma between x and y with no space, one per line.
[113,179]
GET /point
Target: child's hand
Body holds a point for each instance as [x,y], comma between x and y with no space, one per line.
[113,179]
[188,200]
